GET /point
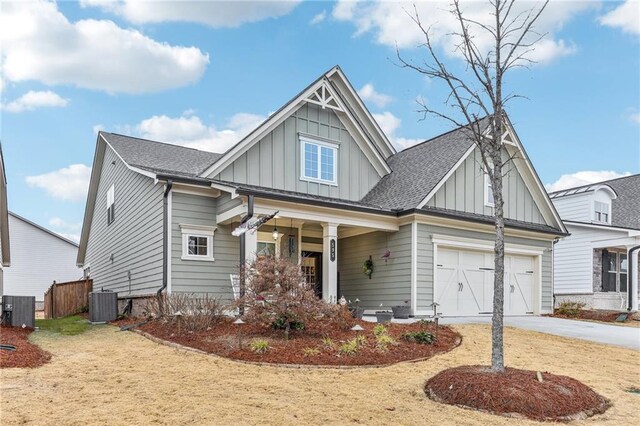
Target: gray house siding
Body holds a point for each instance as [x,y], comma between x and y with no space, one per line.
[390,283]
[274,162]
[126,256]
[196,276]
[464,191]
[425,261]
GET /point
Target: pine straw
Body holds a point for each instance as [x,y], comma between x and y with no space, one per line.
[105,376]
[516,393]
[26,355]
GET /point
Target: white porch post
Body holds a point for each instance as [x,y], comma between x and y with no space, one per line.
[634,280]
[330,262]
[251,246]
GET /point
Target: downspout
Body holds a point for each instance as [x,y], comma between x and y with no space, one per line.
[165,236]
[243,246]
[630,273]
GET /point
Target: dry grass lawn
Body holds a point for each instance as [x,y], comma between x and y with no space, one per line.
[109,377]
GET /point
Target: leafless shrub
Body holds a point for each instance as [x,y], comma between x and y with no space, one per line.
[186,311]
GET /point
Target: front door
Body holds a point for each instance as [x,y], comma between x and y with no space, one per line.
[312,270]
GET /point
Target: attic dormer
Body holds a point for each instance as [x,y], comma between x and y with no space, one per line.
[602,198]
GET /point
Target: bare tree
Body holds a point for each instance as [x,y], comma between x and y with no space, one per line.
[478,101]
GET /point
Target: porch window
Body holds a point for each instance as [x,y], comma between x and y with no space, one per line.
[601,212]
[614,271]
[623,264]
[319,161]
[265,249]
[197,242]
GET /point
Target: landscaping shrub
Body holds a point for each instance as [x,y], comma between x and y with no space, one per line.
[186,311]
[280,324]
[379,330]
[422,337]
[310,351]
[327,342]
[259,346]
[384,341]
[350,347]
[570,309]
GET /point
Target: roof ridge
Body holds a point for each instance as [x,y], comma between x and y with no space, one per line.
[162,143]
[595,183]
[440,135]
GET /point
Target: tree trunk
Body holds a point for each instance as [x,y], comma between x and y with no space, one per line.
[287,327]
[497,322]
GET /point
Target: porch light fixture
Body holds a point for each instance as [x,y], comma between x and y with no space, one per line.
[274,234]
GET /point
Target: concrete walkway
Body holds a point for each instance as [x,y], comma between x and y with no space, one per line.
[627,337]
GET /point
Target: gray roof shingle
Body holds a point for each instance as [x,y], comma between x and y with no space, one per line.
[159,157]
[418,169]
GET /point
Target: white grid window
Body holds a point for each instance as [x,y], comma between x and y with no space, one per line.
[197,242]
[601,212]
[319,161]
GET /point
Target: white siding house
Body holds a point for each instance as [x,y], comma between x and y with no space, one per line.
[39,257]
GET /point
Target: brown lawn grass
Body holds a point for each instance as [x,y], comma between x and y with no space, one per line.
[109,377]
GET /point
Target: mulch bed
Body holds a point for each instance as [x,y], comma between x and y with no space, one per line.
[516,393]
[594,315]
[306,347]
[26,355]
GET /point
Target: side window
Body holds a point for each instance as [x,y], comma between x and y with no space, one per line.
[197,242]
[111,205]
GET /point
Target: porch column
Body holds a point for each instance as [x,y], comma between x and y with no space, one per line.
[330,262]
[633,279]
[251,245]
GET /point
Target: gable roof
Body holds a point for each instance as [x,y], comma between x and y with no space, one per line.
[417,170]
[4,214]
[43,229]
[625,208]
[159,157]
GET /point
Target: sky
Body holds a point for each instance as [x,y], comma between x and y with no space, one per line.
[203,74]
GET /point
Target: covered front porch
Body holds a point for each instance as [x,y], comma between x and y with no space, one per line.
[312,235]
[615,274]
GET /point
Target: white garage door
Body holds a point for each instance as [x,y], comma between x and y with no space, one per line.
[464,283]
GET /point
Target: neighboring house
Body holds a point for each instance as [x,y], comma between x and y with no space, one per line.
[5,248]
[344,196]
[592,265]
[39,257]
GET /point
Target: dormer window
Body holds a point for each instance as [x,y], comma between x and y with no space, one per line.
[319,161]
[602,212]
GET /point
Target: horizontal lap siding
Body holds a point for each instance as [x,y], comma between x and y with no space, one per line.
[425,260]
[192,276]
[390,283]
[134,239]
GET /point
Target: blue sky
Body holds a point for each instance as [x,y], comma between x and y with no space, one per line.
[202,74]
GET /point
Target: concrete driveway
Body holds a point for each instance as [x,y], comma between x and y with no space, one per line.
[627,337]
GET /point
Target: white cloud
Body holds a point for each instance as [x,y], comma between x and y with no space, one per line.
[216,14]
[368,93]
[391,25]
[40,43]
[626,17]
[583,178]
[189,130]
[635,117]
[320,17]
[67,184]
[68,230]
[97,128]
[389,124]
[36,99]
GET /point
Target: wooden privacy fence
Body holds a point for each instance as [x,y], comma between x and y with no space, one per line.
[63,299]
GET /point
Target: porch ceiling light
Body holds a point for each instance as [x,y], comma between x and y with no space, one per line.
[274,234]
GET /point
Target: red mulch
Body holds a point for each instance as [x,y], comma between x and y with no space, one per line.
[516,393]
[223,340]
[593,314]
[26,355]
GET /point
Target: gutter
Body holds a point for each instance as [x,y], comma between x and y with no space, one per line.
[165,236]
[631,263]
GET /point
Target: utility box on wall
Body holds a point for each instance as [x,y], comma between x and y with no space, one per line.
[103,306]
[19,310]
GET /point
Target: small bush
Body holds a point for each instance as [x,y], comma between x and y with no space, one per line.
[327,342]
[350,347]
[379,330]
[280,324]
[570,309]
[310,352]
[259,346]
[384,341]
[186,311]
[361,340]
[422,337]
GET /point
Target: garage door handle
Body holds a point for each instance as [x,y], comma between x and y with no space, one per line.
[513,288]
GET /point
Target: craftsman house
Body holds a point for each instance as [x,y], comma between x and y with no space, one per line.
[598,264]
[161,217]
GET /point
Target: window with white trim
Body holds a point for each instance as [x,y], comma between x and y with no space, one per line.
[601,212]
[111,205]
[488,192]
[319,161]
[197,242]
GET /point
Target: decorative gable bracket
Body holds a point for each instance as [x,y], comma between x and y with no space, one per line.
[324,97]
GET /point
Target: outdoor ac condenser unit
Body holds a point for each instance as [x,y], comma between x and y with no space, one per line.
[19,310]
[103,306]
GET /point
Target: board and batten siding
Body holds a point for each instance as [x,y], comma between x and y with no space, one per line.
[464,191]
[37,259]
[126,256]
[201,276]
[425,261]
[274,161]
[390,283]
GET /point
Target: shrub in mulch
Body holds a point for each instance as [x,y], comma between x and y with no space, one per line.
[26,355]
[516,393]
[319,343]
[591,314]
